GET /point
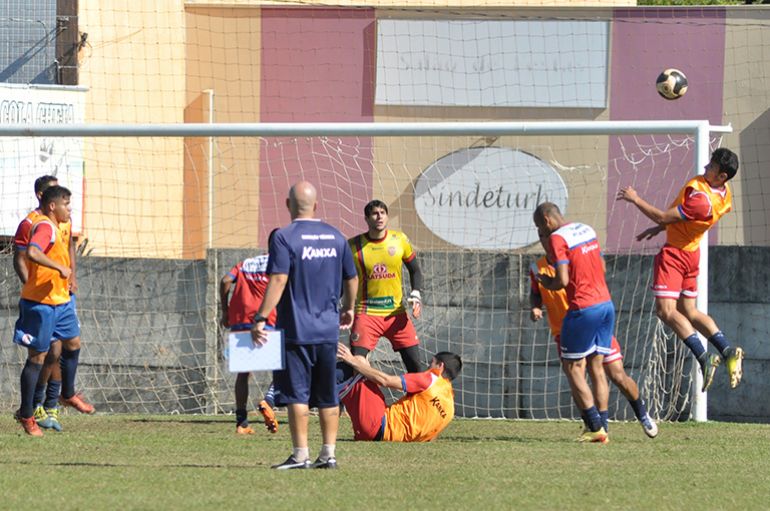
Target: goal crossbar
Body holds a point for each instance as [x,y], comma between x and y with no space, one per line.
[389,129]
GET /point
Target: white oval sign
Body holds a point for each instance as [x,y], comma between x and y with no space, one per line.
[483,198]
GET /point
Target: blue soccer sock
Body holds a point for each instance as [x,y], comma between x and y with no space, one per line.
[593,418]
[241,418]
[28,381]
[605,416]
[69,369]
[640,409]
[693,342]
[720,342]
[40,389]
[52,394]
[270,395]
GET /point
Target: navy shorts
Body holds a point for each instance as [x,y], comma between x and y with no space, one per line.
[39,323]
[309,376]
[588,331]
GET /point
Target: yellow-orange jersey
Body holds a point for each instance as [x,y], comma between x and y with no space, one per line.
[46,285]
[555,302]
[714,203]
[424,412]
[379,264]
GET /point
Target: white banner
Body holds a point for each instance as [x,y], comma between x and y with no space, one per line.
[492,63]
[24,159]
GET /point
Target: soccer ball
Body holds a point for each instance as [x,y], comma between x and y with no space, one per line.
[671,84]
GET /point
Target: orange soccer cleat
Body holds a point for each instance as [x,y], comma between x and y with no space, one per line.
[78,403]
[269,416]
[29,424]
[244,430]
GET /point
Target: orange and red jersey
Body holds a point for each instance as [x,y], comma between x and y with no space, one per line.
[21,239]
[576,244]
[250,278]
[46,285]
[426,409]
[700,206]
[379,264]
[555,302]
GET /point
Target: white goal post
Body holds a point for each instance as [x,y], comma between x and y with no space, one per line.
[698,133]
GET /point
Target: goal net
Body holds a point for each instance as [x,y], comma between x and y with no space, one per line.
[162,218]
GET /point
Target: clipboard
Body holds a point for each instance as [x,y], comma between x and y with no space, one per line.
[244,356]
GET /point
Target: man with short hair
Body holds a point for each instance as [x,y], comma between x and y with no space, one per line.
[701,202]
[309,262]
[379,254]
[557,305]
[427,408]
[586,333]
[48,389]
[46,310]
[248,281]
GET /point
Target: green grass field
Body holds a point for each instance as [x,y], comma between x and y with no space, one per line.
[196,462]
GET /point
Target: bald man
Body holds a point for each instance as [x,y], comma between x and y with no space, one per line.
[309,259]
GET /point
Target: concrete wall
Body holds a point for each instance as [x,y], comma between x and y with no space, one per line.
[151,344]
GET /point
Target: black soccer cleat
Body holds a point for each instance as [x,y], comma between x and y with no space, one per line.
[329,463]
[291,463]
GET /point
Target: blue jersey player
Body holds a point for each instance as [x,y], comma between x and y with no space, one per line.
[310,261]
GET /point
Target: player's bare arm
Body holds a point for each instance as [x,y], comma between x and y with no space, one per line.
[38,256]
[361,365]
[415,279]
[20,264]
[658,216]
[650,233]
[273,293]
[349,290]
[535,307]
[73,281]
[224,292]
[559,281]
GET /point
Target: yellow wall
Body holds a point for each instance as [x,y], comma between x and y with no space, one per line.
[134,68]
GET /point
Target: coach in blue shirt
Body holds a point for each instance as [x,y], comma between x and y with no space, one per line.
[309,262]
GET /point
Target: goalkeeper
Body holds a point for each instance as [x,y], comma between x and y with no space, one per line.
[380,254]
[419,416]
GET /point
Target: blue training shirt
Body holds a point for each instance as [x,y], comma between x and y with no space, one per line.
[317,258]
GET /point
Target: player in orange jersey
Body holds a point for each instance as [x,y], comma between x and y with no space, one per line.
[46,310]
[419,416]
[380,254]
[556,305]
[47,391]
[701,202]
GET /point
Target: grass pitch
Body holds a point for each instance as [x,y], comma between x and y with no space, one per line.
[197,462]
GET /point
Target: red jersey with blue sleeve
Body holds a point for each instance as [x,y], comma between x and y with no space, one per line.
[24,230]
[576,245]
[250,278]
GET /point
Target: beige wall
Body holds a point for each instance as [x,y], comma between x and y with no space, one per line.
[151,63]
[134,68]
[747,108]
[223,56]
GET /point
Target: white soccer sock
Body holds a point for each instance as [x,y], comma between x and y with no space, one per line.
[301,453]
[327,451]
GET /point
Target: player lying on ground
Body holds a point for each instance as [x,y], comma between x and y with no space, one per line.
[556,304]
[419,416]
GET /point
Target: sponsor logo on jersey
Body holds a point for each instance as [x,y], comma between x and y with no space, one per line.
[589,247]
[437,404]
[314,252]
[384,302]
[380,272]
